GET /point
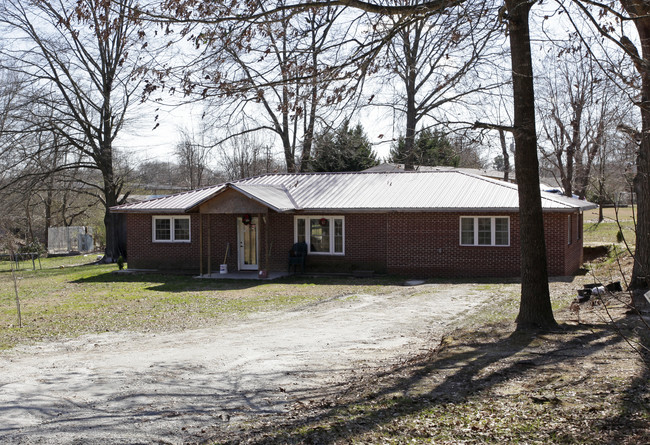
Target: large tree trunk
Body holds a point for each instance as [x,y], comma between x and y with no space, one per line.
[535,307]
[640,275]
[110,221]
[640,10]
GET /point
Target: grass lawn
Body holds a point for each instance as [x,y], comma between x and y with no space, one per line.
[605,232]
[66,301]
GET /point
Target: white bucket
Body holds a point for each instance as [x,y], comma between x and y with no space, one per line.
[223,268]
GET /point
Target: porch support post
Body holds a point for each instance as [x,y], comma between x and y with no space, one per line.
[200,244]
[267,254]
[209,245]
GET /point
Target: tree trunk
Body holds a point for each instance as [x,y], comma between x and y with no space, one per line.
[535,308]
[409,139]
[410,51]
[642,189]
[310,118]
[506,156]
[640,10]
[48,212]
[601,217]
[112,252]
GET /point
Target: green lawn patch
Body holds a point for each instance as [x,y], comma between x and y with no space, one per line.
[70,301]
[606,232]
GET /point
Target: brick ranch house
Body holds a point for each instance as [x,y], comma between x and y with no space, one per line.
[428,224]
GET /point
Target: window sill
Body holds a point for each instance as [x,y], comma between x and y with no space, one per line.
[171,241]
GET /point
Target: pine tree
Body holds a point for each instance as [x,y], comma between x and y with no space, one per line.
[344,149]
[431,148]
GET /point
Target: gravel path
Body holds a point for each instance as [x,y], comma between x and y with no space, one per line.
[130,388]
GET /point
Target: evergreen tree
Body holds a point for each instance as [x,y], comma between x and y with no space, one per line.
[431,148]
[343,150]
[499,163]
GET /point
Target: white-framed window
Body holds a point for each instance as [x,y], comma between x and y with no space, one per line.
[484,231]
[324,235]
[171,229]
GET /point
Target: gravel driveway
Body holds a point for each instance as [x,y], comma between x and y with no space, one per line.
[127,387]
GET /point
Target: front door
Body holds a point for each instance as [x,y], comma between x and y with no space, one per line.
[247,240]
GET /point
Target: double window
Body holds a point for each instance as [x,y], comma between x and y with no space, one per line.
[484,231]
[324,235]
[170,229]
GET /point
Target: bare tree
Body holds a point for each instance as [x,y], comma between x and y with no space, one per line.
[193,156]
[636,13]
[272,76]
[244,156]
[578,111]
[84,55]
[434,60]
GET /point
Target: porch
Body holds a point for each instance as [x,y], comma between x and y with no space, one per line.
[243,275]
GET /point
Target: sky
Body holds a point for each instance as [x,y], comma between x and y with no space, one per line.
[145,142]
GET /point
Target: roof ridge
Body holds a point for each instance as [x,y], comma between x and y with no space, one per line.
[344,173]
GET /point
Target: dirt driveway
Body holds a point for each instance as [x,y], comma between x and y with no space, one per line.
[142,388]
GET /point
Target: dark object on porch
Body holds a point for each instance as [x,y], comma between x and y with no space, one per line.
[298,256]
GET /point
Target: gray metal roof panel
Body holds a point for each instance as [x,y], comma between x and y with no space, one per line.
[406,190]
[274,196]
[177,203]
[370,191]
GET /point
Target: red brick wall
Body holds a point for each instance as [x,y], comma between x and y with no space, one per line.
[416,244]
[145,254]
[428,244]
[222,239]
[563,258]
[365,245]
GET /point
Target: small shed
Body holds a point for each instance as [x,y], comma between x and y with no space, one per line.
[70,239]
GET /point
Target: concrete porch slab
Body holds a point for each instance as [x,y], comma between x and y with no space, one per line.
[243,275]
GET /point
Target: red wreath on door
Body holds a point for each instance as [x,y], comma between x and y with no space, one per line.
[323,221]
[246,219]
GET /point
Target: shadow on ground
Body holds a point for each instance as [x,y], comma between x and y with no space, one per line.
[471,377]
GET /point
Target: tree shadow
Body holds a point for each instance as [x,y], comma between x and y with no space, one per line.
[187,283]
[472,367]
[631,424]
[168,282]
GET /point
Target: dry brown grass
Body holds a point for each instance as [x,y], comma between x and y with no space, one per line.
[611,214]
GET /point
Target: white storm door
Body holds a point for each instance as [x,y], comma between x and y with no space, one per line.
[248,245]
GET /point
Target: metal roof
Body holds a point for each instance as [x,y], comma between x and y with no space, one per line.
[275,196]
[177,203]
[366,192]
